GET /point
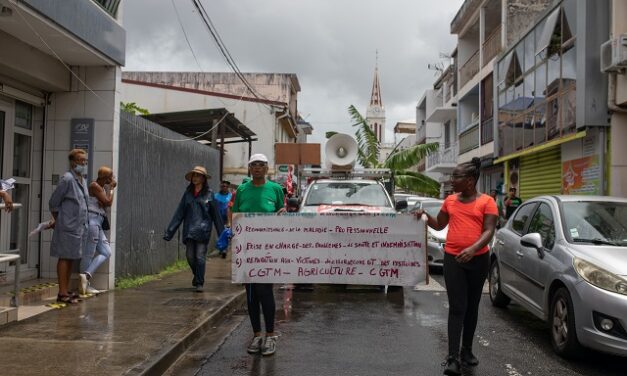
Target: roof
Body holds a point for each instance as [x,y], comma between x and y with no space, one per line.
[194,123]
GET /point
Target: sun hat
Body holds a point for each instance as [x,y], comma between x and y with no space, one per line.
[198,170]
[258,158]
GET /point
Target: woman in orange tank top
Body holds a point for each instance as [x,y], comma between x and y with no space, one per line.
[471,217]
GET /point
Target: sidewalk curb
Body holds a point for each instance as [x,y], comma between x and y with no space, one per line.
[170,355]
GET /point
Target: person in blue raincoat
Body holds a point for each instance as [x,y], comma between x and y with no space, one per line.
[68,206]
[198,212]
[223,200]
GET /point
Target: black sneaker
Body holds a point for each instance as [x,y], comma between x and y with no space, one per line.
[452,366]
[467,357]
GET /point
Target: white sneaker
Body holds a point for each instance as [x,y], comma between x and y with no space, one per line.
[269,345]
[255,345]
[91,290]
[82,283]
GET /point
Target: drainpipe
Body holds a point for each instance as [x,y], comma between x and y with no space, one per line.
[285,114]
[43,171]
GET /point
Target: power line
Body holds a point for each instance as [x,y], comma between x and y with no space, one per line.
[223,49]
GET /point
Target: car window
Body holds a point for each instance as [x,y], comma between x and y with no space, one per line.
[432,208]
[346,193]
[542,223]
[596,222]
[521,217]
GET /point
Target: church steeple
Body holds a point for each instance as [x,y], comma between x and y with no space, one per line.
[375,115]
[375,97]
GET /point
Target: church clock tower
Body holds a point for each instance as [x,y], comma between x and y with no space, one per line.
[375,115]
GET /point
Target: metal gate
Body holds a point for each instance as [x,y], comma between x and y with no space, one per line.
[541,173]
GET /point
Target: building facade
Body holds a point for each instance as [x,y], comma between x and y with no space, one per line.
[529,98]
[551,113]
[271,112]
[59,75]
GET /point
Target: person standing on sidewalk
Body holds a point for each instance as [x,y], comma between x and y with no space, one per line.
[471,217]
[259,196]
[198,212]
[97,249]
[68,206]
[223,199]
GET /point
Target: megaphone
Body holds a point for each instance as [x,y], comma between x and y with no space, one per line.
[341,151]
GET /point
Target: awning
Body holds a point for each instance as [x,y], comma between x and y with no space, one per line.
[442,115]
[542,147]
[549,28]
[193,124]
[200,125]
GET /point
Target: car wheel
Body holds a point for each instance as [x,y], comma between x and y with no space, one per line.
[497,297]
[562,321]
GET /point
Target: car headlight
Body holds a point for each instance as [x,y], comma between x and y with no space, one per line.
[600,278]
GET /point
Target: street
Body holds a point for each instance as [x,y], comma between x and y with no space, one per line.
[329,331]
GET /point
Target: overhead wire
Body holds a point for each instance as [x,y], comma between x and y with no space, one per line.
[117,113]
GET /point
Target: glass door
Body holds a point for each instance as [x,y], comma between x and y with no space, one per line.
[21,171]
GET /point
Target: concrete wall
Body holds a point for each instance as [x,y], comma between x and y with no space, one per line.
[100,103]
[271,86]
[618,158]
[255,116]
[521,16]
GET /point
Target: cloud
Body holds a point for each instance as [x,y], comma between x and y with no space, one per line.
[329,44]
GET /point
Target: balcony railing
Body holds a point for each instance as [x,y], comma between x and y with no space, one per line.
[487,131]
[443,156]
[469,140]
[469,69]
[492,46]
[111,6]
[421,134]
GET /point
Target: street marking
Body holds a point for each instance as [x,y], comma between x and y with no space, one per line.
[511,371]
[432,286]
[435,286]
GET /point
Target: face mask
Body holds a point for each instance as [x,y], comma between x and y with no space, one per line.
[81,169]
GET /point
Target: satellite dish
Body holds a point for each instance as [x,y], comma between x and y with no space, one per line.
[341,151]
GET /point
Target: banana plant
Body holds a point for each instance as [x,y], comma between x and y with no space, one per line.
[399,162]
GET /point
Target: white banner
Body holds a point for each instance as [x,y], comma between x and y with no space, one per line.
[362,249]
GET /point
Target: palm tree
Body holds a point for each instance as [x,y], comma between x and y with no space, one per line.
[398,162]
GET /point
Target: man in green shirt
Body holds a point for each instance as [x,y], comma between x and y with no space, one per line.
[259,196]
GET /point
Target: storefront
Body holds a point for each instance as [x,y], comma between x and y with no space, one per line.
[21,159]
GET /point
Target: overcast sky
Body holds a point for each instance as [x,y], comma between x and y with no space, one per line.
[329,44]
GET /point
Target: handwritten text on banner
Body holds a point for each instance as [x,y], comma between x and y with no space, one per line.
[369,249]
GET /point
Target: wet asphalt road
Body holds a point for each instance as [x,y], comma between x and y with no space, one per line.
[364,332]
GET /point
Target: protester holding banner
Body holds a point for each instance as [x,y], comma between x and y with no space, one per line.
[198,212]
[471,217]
[259,196]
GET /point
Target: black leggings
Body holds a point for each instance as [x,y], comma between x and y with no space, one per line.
[464,285]
[260,293]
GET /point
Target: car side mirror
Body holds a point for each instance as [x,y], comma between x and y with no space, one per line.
[533,240]
[401,205]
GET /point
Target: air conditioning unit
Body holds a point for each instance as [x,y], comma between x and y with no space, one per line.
[614,54]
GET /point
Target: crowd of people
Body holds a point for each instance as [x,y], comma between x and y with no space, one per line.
[80,220]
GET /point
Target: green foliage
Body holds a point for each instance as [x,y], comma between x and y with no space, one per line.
[330,134]
[130,282]
[399,161]
[411,181]
[404,159]
[133,108]
[368,146]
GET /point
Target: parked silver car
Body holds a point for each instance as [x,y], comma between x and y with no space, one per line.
[435,239]
[564,258]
